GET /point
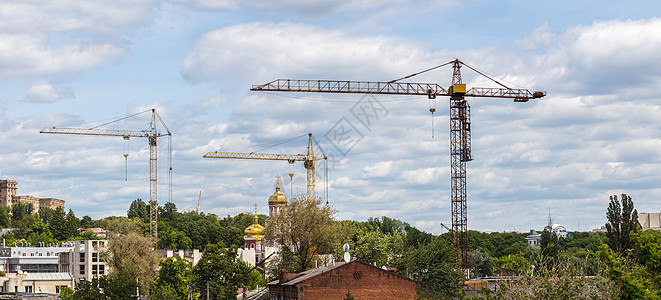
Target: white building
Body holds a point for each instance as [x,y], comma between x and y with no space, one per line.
[534,238]
[33,269]
[82,261]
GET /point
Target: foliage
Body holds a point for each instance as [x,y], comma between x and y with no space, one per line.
[622,219]
[172,280]
[138,209]
[549,244]
[377,247]
[130,256]
[637,277]
[66,293]
[348,296]
[516,263]
[4,217]
[433,266]
[88,290]
[308,229]
[480,263]
[20,210]
[220,267]
[39,233]
[119,286]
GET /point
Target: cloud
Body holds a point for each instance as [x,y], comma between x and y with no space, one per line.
[256,51]
[49,38]
[307,9]
[46,92]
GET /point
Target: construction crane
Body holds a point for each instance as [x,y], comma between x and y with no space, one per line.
[197,209]
[460,134]
[308,160]
[151,133]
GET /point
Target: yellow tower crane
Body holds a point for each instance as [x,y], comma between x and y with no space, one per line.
[308,160]
[151,134]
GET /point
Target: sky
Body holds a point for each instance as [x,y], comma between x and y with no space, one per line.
[83,63]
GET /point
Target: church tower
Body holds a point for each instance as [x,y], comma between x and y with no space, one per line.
[277,201]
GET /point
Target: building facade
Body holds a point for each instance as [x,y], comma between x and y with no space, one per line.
[9,196]
[650,220]
[362,280]
[83,261]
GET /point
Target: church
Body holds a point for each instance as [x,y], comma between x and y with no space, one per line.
[256,248]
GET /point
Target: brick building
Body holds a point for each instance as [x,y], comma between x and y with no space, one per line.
[8,197]
[362,280]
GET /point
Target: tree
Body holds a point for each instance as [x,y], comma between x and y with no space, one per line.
[549,244]
[38,233]
[307,228]
[434,267]
[221,268]
[129,256]
[45,214]
[480,263]
[622,220]
[138,209]
[20,210]
[172,280]
[71,224]
[57,224]
[66,293]
[88,290]
[4,217]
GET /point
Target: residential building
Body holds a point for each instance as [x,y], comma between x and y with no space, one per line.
[83,261]
[8,197]
[32,259]
[35,282]
[362,280]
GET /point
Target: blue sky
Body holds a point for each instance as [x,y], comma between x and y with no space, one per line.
[81,62]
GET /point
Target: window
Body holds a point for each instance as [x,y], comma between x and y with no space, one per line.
[82,269]
[28,289]
[82,257]
[102,269]
[95,257]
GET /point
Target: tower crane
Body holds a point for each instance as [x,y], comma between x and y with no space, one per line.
[460,134]
[308,160]
[152,133]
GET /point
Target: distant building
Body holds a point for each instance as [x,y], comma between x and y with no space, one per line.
[33,269]
[534,238]
[362,280]
[8,197]
[557,229]
[82,260]
[191,256]
[256,248]
[650,220]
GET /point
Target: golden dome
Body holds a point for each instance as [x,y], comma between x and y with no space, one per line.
[255,230]
[278,198]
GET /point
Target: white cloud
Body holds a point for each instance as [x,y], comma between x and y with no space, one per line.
[46,92]
[261,51]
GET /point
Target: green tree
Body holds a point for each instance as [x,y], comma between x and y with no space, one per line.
[45,214]
[220,267]
[57,224]
[38,233]
[4,217]
[88,290]
[622,220]
[516,263]
[307,228]
[480,263]
[71,224]
[20,210]
[138,209]
[118,286]
[129,256]
[172,280]
[549,247]
[66,293]
[434,267]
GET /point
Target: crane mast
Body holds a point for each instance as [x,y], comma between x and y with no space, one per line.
[308,160]
[460,135]
[152,134]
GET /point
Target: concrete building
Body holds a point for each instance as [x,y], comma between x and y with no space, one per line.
[650,220]
[362,280]
[191,256]
[82,260]
[8,197]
